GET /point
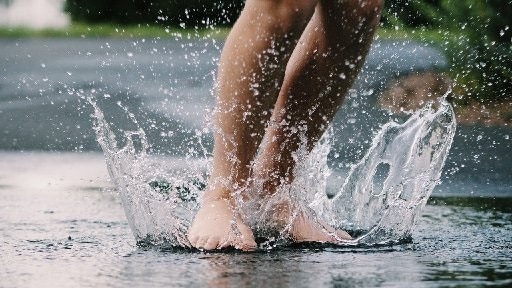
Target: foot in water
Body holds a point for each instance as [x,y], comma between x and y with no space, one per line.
[303,226]
[306,227]
[216,226]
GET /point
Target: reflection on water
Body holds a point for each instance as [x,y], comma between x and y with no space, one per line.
[61,220]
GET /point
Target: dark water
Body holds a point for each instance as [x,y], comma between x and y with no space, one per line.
[62,225]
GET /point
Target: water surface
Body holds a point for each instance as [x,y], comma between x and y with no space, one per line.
[61,220]
[62,225]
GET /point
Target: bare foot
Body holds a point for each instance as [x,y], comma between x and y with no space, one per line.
[216,226]
[308,228]
[305,226]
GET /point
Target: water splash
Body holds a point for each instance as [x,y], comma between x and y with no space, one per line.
[386,190]
[159,198]
[380,198]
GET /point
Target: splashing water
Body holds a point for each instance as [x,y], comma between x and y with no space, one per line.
[159,202]
[387,189]
[379,200]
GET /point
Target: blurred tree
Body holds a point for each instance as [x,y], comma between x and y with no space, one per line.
[192,13]
[477,33]
[478,41]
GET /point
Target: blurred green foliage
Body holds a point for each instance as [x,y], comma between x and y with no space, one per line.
[476,37]
[86,30]
[188,13]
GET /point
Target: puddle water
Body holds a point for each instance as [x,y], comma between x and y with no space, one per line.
[77,225]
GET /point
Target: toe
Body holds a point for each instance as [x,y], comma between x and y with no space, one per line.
[212,243]
[247,240]
[193,240]
[201,243]
[343,235]
[336,237]
[226,243]
[243,243]
[248,245]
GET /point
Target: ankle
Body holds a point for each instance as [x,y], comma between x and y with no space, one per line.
[216,196]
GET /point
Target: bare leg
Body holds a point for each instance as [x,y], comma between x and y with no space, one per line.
[321,69]
[250,74]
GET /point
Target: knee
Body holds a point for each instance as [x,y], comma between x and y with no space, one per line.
[288,13]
